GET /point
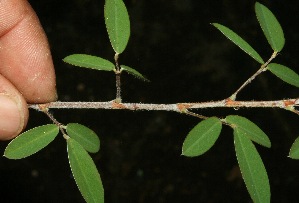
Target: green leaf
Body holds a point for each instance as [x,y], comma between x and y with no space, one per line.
[31,141]
[202,137]
[133,72]
[294,152]
[252,168]
[88,61]
[117,24]
[85,173]
[284,73]
[270,26]
[86,137]
[249,129]
[235,38]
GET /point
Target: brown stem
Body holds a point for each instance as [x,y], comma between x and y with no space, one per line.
[61,127]
[117,79]
[118,87]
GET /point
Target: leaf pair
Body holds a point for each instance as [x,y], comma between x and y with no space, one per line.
[275,37]
[270,26]
[33,140]
[82,139]
[118,28]
[204,135]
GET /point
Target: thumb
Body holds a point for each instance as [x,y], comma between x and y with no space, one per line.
[13,110]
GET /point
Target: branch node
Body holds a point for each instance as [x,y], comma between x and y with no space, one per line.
[289,103]
[230,102]
[182,108]
[117,105]
[43,107]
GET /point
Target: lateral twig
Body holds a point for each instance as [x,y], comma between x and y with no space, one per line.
[195,114]
[44,108]
[249,80]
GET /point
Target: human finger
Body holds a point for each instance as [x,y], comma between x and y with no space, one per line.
[25,58]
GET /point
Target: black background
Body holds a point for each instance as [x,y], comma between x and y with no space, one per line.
[187,60]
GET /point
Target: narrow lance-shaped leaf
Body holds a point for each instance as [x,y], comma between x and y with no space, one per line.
[202,137]
[252,168]
[117,24]
[236,39]
[270,26]
[85,173]
[31,141]
[133,72]
[86,137]
[294,152]
[88,61]
[249,129]
[284,73]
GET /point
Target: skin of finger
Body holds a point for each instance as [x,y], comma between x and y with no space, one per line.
[25,56]
[7,89]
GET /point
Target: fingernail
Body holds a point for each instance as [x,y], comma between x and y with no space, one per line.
[10,117]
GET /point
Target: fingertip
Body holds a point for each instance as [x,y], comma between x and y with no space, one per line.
[13,111]
[13,117]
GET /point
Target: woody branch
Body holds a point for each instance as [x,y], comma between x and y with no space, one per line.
[287,104]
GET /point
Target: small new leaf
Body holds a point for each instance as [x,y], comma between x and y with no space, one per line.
[236,39]
[284,73]
[294,152]
[117,24]
[270,26]
[252,168]
[133,72]
[202,137]
[86,137]
[85,173]
[88,61]
[31,141]
[249,129]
